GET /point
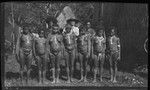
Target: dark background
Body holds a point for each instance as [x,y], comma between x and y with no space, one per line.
[127,18]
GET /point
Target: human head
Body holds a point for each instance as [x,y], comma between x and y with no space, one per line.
[100,32]
[31,29]
[68,29]
[112,31]
[72,21]
[78,24]
[25,29]
[82,30]
[88,24]
[41,33]
[51,21]
[50,24]
[55,28]
[101,22]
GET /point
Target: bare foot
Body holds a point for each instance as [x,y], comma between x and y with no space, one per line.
[40,82]
[81,79]
[85,80]
[57,81]
[114,81]
[101,79]
[68,81]
[45,81]
[94,81]
[111,80]
[53,82]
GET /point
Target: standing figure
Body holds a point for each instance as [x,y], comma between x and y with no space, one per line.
[25,44]
[89,29]
[74,23]
[114,48]
[99,46]
[40,52]
[92,33]
[84,47]
[69,44]
[54,41]
[50,21]
[33,30]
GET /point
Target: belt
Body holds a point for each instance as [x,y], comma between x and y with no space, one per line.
[27,51]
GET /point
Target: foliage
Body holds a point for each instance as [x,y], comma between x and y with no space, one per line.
[38,12]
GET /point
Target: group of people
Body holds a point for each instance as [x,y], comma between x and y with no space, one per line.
[74,42]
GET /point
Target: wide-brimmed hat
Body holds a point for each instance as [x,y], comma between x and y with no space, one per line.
[73,20]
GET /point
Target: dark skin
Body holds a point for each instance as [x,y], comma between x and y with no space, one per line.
[50,25]
[54,42]
[114,55]
[40,51]
[25,52]
[99,51]
[112,32]
[69,43]
[84,52]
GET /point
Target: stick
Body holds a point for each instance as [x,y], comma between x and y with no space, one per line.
[13,28]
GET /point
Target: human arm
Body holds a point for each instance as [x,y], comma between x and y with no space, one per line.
[119,48]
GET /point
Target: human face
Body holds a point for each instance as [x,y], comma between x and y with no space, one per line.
[31,29]
[112,32]
[51,23]
[100,33]
[55,29]
[82,32]
[78,24]
[73,23]
[26,30]
[68,25]
[68,29]
[41,34]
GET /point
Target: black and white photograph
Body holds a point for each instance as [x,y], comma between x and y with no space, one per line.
[75,44]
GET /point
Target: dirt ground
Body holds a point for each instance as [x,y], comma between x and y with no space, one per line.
[124,79]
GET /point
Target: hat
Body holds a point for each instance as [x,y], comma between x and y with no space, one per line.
[51,19]
[72,19]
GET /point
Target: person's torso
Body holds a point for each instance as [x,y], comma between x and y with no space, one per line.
[113,42]
[26,41]
[69,41]
[91,31]
[99,44]
[55,42]
[82,43]
[40,45]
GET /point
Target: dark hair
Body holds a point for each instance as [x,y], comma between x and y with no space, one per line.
[113,27]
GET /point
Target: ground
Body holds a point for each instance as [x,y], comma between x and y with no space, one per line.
[124,79]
